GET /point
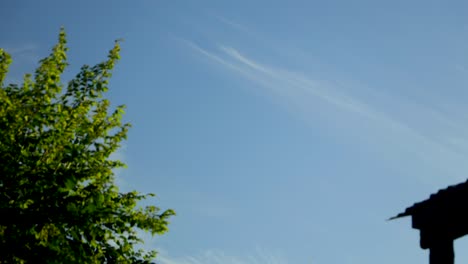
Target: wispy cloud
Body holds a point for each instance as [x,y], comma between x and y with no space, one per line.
[24,57]
[289,84]
[220,257]
[119,174]
[27,52]
[297,91]
[22,49]
[232,24]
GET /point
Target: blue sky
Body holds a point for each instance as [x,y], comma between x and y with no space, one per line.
[280,132]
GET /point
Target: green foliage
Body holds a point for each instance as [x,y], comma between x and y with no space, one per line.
[58,199]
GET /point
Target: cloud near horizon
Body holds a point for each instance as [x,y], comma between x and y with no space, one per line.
[219,257]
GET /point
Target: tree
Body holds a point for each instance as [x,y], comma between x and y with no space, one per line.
[59,202]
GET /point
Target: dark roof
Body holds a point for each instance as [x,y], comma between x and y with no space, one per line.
[444,198]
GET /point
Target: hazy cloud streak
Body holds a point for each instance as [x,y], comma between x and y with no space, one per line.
[219,257]
[298,91]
